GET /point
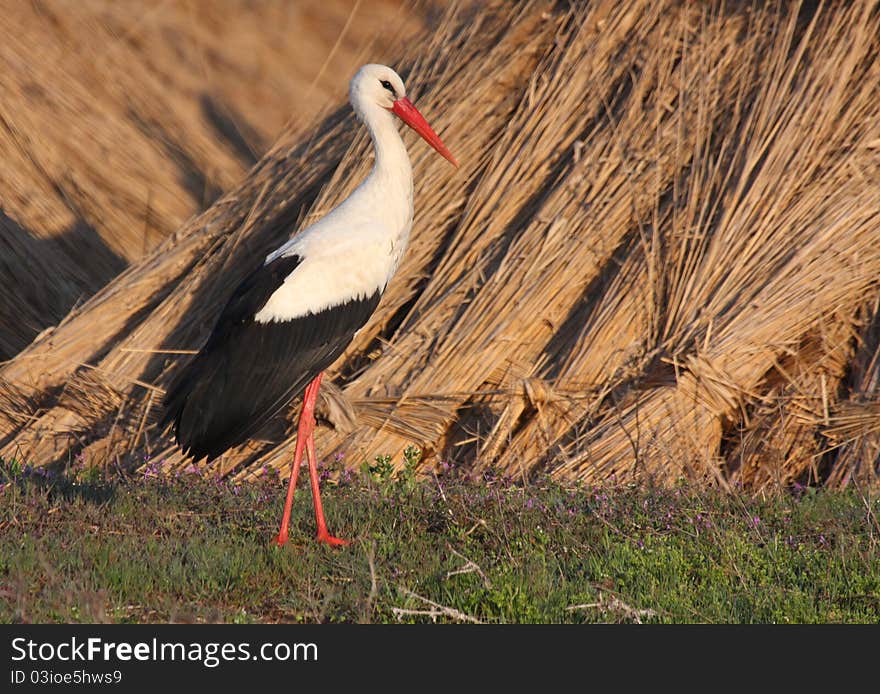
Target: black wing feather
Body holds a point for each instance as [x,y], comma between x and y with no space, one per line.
[248,372]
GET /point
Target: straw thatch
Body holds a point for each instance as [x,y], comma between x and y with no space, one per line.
[659,258]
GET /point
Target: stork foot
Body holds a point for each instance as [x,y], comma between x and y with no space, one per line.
[328,539]
[281,540]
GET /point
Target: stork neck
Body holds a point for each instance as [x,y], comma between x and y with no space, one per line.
[392,161]
[389,185]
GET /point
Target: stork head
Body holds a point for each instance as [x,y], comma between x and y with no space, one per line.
[380,86]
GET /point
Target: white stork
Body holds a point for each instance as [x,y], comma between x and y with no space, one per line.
[292,318]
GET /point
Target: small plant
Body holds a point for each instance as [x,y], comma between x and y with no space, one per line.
[412,456]
[89,475]
[11,469]
[382,470]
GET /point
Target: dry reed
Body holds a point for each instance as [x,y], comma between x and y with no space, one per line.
[659,258]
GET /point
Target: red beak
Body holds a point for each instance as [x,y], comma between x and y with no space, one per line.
[410,115]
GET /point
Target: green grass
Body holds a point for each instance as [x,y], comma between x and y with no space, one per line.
[152,549]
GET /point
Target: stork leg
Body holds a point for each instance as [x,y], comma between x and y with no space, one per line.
[323,535]
[301,435]
[305,440]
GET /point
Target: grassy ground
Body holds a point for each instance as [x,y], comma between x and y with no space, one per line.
[154,549]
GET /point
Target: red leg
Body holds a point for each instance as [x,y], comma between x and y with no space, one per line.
[303,432]
[323,535]
[305,439]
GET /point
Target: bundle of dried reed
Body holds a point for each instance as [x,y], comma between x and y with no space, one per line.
[655,260]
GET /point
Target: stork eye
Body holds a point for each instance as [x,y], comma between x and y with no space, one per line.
[387,85]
